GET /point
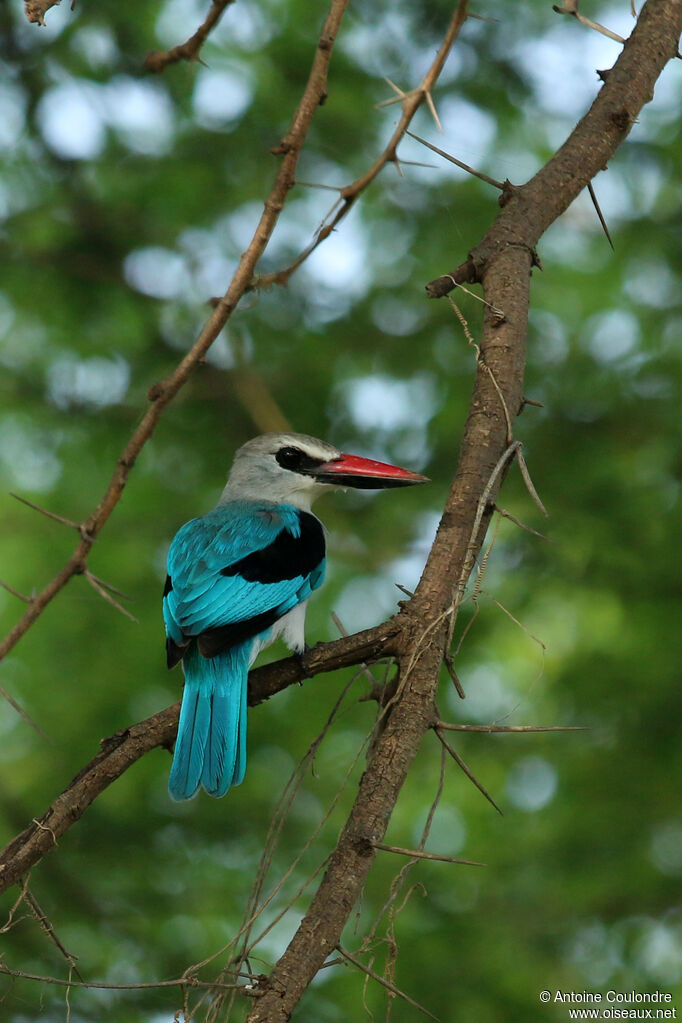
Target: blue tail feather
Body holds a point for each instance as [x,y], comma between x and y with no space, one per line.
[211,744]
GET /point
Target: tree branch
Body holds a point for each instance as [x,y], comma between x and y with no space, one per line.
[158,60]
[122,750]
[629,85]
[503,263]
[162,393]
[411,103]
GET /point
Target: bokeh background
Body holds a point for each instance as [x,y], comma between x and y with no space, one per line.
[126,200]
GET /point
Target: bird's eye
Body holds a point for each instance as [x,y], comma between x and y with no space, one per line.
[289,458]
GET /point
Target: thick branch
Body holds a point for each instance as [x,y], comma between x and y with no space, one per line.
[162,393]
[498,391]
[123,749]
[628,86]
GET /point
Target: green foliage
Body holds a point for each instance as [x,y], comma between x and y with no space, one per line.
[127,200]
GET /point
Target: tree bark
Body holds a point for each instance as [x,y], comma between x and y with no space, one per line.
[502,262]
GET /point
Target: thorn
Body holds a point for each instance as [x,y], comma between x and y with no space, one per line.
[453,675]
[517,522]
[395,88]
[49,514]
[22,713]
[487,729]
[593,197]
[99,587]
[432,108]
[417,855]
[460,763]
[394,99]
[530,401]
[457,163]
[15,593]
[529,483]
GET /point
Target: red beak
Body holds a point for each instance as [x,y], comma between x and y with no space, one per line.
[366,474]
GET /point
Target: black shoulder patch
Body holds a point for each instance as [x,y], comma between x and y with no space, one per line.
[286,557]
[214,641]
[168,587]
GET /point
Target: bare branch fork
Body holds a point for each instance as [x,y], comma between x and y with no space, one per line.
[502,263]
[410,103]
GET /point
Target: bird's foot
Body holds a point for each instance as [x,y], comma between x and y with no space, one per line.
[301,657]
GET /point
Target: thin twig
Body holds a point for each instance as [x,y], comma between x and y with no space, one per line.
[571,7]
[417,855]
[159,60]
[528,481]
[59,981]
[481,361]
[49,930]
[448,727]
[162,393]
[384,983]
[410,102]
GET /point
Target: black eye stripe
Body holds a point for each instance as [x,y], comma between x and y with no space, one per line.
[297,461]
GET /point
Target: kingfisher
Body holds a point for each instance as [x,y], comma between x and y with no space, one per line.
[238,578]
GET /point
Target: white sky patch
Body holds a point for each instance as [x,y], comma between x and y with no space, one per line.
[12,115]
[341,264]
[560,65]
[532,784]
[659,951]
[27,453]
[611,335]
[221,97]
[651,282]
[395,316]
[385,403]
[596,951]
[141,114]
[468,134]
[158,272]
[241,224]
[96,382]
[97,45]
[448,830]
[71,120]
[178,20]
[408,568]
[666,848]
[488,698]
[551,347]
[365,602]
[247,27]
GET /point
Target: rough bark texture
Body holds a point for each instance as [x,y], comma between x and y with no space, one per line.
[502,263]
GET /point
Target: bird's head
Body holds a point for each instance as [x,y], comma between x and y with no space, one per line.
[294,468]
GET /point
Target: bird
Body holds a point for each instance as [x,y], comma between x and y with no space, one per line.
[238,578]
